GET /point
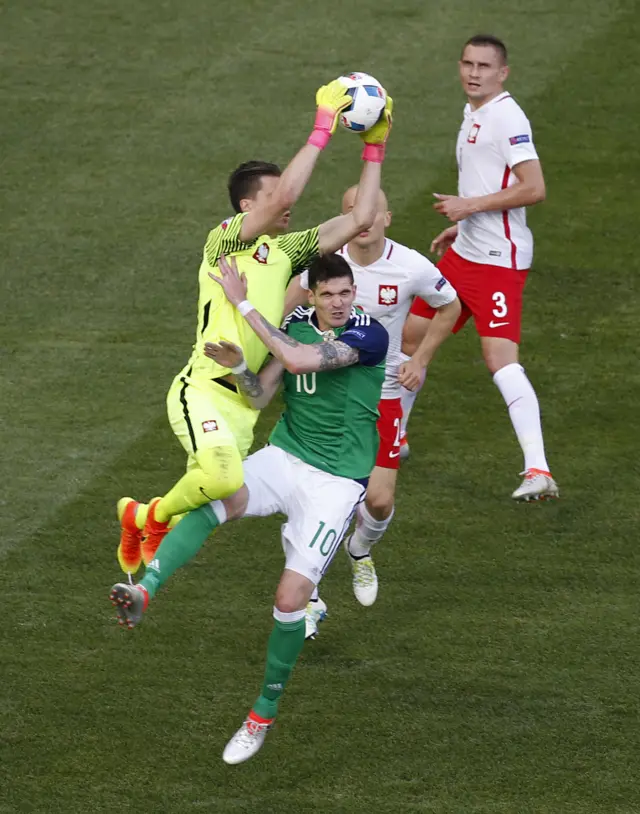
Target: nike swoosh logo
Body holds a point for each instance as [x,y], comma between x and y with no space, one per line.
[493,324]
[394,454]
[204,494]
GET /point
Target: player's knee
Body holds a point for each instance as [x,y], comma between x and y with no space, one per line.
[293,592]
[236,505]
[222,474]
[498,356]
[380,503]
[288,601]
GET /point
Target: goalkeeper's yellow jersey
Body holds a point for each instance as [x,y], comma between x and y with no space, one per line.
[268,263]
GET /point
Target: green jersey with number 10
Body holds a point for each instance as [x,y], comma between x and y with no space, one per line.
[330,416]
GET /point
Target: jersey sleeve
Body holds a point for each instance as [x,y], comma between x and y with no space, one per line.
[430,285]
[300,248]
[225,238]
[368,337]
[514,138]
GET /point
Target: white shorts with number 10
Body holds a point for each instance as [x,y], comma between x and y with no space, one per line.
[319,507]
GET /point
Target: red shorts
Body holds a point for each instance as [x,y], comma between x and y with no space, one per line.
[491,294]
[389,431]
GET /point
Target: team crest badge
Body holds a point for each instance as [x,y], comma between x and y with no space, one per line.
[261,253]
[387,294]
[209,426]
[473,134]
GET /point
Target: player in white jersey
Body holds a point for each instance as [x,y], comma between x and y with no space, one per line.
[388,276]
[488,252]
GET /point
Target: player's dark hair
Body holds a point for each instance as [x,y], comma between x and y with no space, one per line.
[327,267]
[245,181]
[489,39]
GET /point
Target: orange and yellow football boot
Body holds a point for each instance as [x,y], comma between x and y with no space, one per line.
[153,533]
[129,552]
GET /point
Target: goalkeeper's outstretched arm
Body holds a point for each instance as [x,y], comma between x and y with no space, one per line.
[331,99]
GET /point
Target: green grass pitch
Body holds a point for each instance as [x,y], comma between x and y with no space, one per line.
[499,671]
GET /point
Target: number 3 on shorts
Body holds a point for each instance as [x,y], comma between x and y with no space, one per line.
[501,304]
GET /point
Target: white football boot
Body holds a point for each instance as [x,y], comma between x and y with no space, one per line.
[365,579]
[246,742]
[315,613]
[537,485]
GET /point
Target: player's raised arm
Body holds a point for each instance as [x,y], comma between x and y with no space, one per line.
[331,99]
[336,232]
[257,388]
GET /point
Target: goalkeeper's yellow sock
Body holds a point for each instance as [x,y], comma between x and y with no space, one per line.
[175,520]
[142,511]
[218,474]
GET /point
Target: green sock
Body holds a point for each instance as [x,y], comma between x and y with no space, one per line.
[285,643]
[180,545]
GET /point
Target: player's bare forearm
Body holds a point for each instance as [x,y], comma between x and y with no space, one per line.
[257,388]
[439,329]
[290,186]
[365,205]
[334,233]
[296,356]
[251,388]
[529,190]
[512,198]
[260,388]
[298,171]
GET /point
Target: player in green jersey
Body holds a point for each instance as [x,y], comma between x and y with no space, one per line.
[213,422]
[330,358]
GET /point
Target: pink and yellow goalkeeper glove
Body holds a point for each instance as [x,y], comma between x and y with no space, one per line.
[375,139]
[331,100]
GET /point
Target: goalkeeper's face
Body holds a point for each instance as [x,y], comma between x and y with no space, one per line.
[261,198]
[333,300]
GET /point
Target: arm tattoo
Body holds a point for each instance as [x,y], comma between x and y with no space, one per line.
[337,354]
[250,385]
[277,334]
[331,355]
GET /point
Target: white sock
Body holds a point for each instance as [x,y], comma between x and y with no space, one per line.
[368,531]
[407,400]
[219,510]
[288,617]
[315,595]
[524,412]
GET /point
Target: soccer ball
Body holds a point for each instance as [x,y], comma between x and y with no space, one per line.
[369,99]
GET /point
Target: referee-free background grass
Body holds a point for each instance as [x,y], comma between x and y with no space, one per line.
[499,669]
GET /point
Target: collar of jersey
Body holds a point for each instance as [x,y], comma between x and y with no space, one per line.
[504,95]
[350,260]
[312,314]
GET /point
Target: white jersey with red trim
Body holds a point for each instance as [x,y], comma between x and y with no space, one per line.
[386,288]
[492,140]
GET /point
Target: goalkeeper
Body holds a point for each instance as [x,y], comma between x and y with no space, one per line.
[211,419]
